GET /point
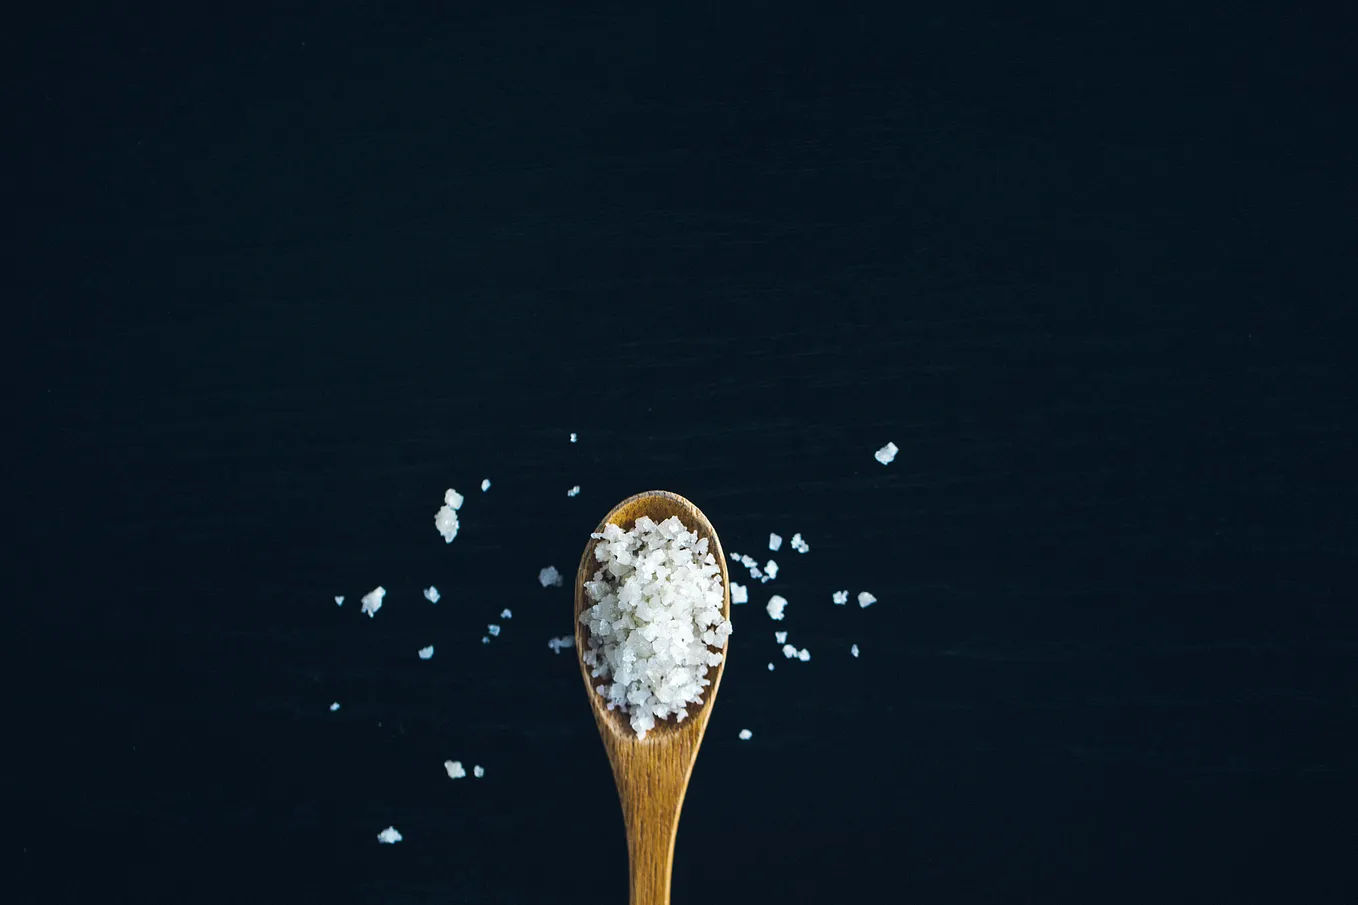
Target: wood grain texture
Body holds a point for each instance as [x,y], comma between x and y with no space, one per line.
[652,773]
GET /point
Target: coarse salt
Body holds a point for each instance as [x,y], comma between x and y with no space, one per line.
[739,594]
[339,600]
[804,655]
[865,599]
[775,541]
[445,520]
[549,577]
[746,735]
[770,667]
[565,642]
[572,437]
[854,650]
[431,594]
[455,769]
[574,491]
[334,707]
[389,836]
[372,601]
[799,545]
[655,619]
[789,651]
[494,630]
[841,597]
[426,652]
[775,607]
[771,569]
[506,613]
[485,484]
[886,453]
[780,637]
[478,771]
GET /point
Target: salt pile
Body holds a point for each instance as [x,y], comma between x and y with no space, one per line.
[389,836]
[426,652]
[565,642]
[841,597]
[372,601]
[549,577]
[454,768]
[739,594]
[655,619]
[775,607]
[445,520]
[865,599]
[746,735]
[431,594]
[886,454]
[799,545]
[775,541]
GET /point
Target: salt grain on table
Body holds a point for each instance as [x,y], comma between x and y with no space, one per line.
[454,768]
[775,607]
[886,454]
[865,599]
[494,630]
[775,541]
[746,735]
[771,569]
[334,707]
[478,772]
[549,577]
[574,491]
[780,637]
[739,594]
[485,484]
[565,642]
[506,613]
[799,545]
[770,667]
[426,652]
[445,520]
[431,594]
[804,655]
[572,437]
[841,597]
[789,651]
[339,600]
[854,650]
[372,601]
[389,836]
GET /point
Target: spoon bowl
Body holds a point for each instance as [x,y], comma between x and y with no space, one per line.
[652,773]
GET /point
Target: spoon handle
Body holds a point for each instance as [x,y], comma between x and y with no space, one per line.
[652,793]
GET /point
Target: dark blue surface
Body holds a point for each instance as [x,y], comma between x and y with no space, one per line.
[282,279]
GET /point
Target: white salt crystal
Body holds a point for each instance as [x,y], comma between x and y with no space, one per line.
[780,637]
[485,484]
[734,555]
[339,600]
[445,520]
[775,607]
[426,652]
[485,639]
[865,599]
[770,667]
[654,621]
[886,454]
[771,569]
[738,593]
[549,577]
[804,655]
[506,613]
[854,650]
[454,768]
[748,562]
[799,545]
[574,491]
[432,594]
[841,597]
[789,651]
[389,836]
[372,601]
[494,630]
[746,735]
[572,437]
[334,707]
[565,642]
[478,771]
[775,541]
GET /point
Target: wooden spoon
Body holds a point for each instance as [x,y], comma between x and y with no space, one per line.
[651,773]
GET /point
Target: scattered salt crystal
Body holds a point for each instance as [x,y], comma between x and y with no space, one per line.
[565,642]
[334,707]
[775,541]
[426,652]
[841,597]
[494,630]
[549,577]
[454,768]
[572,437]
[506,613]
[339,600]
[775,607]
[854,650]
[445,520]
[372,601]
[654,620]
[485,640]
[789,651]
[780,637]
[739,594]
[389,836]
[886,454]
[748,561]
[746,735]
[865,599]
[478,771]
[770,667]
[485,484]
[804,655]
[771,569]
[799,545]
[574,491]
[432,594]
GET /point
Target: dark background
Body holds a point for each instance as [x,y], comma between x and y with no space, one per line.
[276,280]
